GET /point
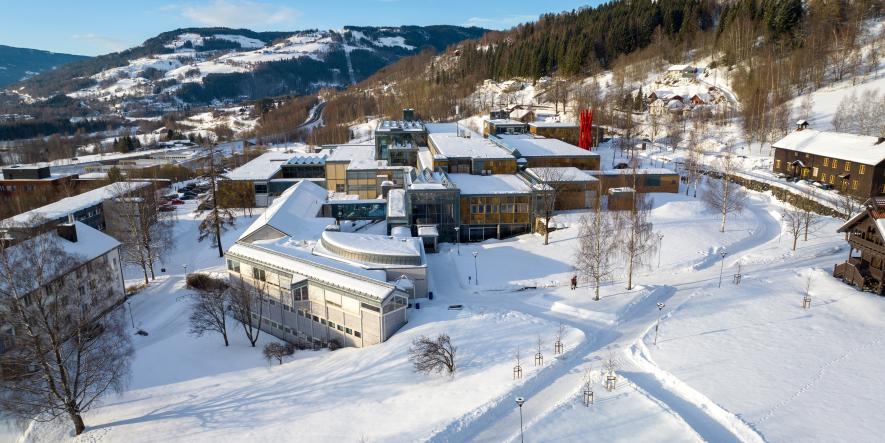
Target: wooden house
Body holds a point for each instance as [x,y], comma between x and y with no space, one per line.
[865,265]
[853,164]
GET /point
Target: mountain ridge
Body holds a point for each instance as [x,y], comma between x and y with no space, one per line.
[17,63]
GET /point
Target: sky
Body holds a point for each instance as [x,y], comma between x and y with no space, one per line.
[94,27]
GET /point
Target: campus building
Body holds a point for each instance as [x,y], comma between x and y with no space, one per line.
[320,284]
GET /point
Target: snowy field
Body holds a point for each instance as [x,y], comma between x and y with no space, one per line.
[737,363]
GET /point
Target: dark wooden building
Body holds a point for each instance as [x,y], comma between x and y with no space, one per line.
[852,164]
[865,265]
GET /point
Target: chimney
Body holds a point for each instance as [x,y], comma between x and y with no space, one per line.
[67,231]
[408,114]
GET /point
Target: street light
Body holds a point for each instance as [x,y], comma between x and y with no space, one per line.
[185,270]
[132,319]
[475,268]
[660,244]
[658,324]
[458,239]
[721,266]
[519,402]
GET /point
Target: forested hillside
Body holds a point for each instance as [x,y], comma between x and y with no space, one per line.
[17,64]
[772,51]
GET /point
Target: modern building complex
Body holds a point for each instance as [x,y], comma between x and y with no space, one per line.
[852,164]
[324,285]
[326,279]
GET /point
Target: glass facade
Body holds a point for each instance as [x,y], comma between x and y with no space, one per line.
[356,210]
[435,207]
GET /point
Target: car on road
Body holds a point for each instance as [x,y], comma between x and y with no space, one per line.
[176,201]
[166,208]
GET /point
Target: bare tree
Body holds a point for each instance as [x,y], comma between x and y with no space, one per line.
[69,346]
[811,220]
[247,304]
[276,351]
[597,244]
[693,162]
[134,218]
[217,219]
[795,221]
[433,355]
[848,205]
[553,182]
[209,312]
[724,195]
[636,240]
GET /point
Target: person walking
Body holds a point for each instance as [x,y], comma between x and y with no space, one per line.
[574,282]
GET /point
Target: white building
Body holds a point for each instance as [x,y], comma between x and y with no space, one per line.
[323,285]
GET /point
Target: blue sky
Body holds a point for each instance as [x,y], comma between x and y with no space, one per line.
[93,27]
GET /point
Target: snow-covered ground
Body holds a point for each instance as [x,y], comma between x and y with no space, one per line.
[737,363]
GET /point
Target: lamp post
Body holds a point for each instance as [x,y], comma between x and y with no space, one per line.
[458,239]
[185,270]
[721,266]
[660,247]
[519,402]
[475,268]
[658,324]
[131,319]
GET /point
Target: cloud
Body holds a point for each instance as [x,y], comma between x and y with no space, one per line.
[101,43]
[503,22]
[237,13]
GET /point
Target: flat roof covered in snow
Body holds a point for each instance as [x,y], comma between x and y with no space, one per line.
[561,174]
[490,184]
[857,148]
[451,145]
[70,205]
[554,124]
[528,145]
[262,167]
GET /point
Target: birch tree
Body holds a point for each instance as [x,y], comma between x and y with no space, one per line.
[68,347]
[794,220]
[134,218]
[247,305]
[724,196]
[552,183]
[597,244]
[217,219]
[209,311]
[636,240]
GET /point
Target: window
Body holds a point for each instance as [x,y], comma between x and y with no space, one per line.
[777,164]
[233,265]
[340,328]
[861,168]
[323,321]
[370,307]
[823,177]
[854,185]
[348,330]
[835,163]
[258,274]
[826,161]
[847,166]
[339,188]
[316,319]
[357,334]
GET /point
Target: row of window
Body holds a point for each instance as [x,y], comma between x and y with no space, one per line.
[506,208]
[330,324]
[833,163]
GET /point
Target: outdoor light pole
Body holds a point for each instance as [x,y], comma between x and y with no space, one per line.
[660,247]
[475,268]
[458,239]
[132,319]
[658,324]
[721,266]
[519,402]
[185,270]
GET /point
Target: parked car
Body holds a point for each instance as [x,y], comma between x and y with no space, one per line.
[187,197]
[166,208]
[780,175]
[176,201]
